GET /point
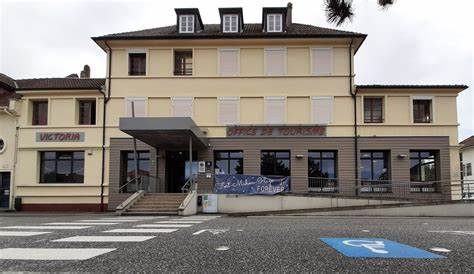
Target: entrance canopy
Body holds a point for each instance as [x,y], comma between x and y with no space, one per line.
[164,132]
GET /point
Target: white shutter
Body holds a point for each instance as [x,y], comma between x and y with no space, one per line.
[275,61]
[229,110]
[139,107]
[275,110]
[228,62]
[321,61]
[182,106]
[322,109]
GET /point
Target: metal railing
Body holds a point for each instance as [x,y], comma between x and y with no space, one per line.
[322,185]
[190,184]
[142,182]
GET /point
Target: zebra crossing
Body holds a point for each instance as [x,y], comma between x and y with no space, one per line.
[136,231]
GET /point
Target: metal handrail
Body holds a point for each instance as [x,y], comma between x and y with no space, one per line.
[128,182]
[188,185]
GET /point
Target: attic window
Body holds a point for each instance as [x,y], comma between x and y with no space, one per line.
[186,23]
[231,23]
[274,22]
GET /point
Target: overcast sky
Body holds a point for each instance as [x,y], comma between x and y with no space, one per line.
[412,42]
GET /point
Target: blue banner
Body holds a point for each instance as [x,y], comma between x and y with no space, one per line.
[250,184]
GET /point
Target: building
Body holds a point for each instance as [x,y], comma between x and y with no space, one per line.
[467,159]
[274,98]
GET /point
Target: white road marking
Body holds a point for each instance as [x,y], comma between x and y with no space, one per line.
[239,230]
[212,231]
[188,220]
[141,230]
[222,248]
[45,227]
[22,233]
[110,220]
[84,223]
[105,239]
[134,218]
[179,222]
[440,249]
[163,225]
[365,230]
[52,253]
[455,232]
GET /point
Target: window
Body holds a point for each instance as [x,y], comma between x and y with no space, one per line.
[322,171]
[373,110]
[183,62]
[374,171]
[275,110]
[186,23]
[321,61]
[137,63]
[228,62]
[422,111]
[275,163]
[229,162]
[62,167]
[127,168]
[322,109]
[139,107]
[231,23]
[229,110]
[182,106]
[469,169]
[423,168]
[87,109]
[274,23]
[40,113]
[3,145]
[275,63]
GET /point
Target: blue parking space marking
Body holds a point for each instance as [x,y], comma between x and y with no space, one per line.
[377,248]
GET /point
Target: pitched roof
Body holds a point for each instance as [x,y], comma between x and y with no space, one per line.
[7,82]
[213,31]
[469,142]
[59,83]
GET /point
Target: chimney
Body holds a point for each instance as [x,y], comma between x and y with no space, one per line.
[86,72]
[72,75]
[289,10]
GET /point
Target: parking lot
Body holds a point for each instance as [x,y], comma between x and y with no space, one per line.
[107,243]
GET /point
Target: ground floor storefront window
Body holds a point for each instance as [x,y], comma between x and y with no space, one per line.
[322,171]
[374,175]
[128,170]
[62,167]
[275,163]
[229,162]
[423,171]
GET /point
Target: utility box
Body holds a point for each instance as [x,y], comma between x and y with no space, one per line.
[17,203]
[209,203]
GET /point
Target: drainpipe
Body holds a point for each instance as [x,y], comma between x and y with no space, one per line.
[356,136]
[104,118]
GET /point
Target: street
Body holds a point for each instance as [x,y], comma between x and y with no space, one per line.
[208,243]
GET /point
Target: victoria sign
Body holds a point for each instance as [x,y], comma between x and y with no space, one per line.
[60,137]
[276,131]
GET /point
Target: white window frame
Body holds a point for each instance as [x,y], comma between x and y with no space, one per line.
[186,18]
[427,97]
[268,98]
[228,98]
[285,62]
[182,98]
[130,99]
[274,25]
[137,50]
[313,68]
[313,120]
[219,61]
[231,17]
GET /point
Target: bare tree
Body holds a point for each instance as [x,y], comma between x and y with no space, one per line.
[339,11]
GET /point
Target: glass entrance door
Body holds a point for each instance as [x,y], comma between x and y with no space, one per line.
[177,169]
[4,189]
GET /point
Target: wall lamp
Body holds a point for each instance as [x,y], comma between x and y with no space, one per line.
[299,156]
[402,156]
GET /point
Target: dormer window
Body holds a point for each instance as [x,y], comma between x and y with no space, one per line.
[274,22]
[186,23]
[231,23]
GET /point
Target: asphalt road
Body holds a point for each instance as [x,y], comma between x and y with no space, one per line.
[287,243]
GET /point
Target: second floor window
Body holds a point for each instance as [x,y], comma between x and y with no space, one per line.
[275,61]
[231,23]
[321,61]
[182,107]
[186,23]
[40,113]
[373,110]
[422,111]
[321,110]
[275,110]
[135,107]
[183,62]
[137,63]
[274,23]
[228,110]
[228,62]
[87,109]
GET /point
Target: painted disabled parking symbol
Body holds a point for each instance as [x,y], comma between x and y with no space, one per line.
[377,248]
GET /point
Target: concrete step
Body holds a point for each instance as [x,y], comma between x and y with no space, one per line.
[150,213]
[163,209]
[165,195]
[155,206]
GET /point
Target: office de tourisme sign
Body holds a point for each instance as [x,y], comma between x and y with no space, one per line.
[276,131]
[59,136]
